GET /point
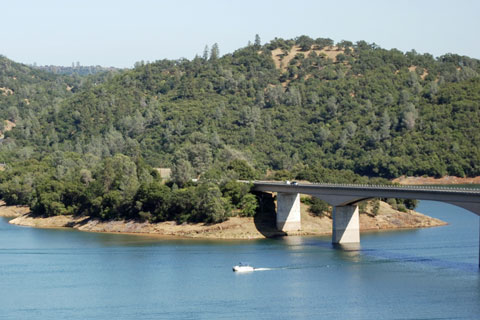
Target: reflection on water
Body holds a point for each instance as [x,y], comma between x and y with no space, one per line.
[349,251]
[427,273]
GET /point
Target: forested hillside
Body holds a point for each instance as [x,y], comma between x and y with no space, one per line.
[303,108]
[76,69]
[29,93]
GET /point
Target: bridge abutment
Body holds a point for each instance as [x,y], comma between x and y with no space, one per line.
[288,212]
[345,224]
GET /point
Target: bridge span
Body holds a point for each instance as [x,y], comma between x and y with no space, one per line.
[344,199]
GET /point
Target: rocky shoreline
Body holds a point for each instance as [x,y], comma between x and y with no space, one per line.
[233,228]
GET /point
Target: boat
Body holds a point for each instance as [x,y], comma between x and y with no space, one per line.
[242,267]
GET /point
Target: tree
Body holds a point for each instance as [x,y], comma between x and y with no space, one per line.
[318,207]
[243,169]
[350,129]
[258,42]
[409,116]
[249,205]
[120,173]
[304,42]
[432,89]
[323,42]
[332,106]
[322,135]
[385,125]
[205,53]
[235,191]
[13,114]
[273,96]
[182,172]
[214,52]
[154,198]
[211,206]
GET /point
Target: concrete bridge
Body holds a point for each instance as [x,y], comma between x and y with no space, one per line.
[343,198]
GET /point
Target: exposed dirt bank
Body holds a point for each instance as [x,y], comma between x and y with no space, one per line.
[12,211]
[431,180]
[235,227]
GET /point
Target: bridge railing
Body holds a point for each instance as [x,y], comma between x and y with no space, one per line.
[383,186]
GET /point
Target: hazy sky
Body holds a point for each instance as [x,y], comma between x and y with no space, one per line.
[119,33]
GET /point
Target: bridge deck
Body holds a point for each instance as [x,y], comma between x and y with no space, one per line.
[345,194]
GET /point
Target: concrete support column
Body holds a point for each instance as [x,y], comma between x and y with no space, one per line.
[288,212]
[346,225]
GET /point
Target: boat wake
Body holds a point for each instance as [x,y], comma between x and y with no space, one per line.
[262,269]
[246,268]
[290,268]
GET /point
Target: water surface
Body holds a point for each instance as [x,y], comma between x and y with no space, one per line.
[414,274]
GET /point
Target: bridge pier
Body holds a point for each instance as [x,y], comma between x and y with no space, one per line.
[288,212]
[345,224]
[345,218]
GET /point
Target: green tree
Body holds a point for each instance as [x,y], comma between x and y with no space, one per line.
[243,169]
[154,198]
[182,172]
[235,191]
[409,116]
[214,52]
[258,42]
[249,205]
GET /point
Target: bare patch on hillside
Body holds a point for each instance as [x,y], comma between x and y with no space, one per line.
[282,59]
[414,69]
[424,74]
[431,180]
[7,126]
[6,91]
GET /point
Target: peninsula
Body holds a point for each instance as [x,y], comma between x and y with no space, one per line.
[234,228]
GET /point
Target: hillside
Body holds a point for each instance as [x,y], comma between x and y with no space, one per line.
[351,106]
[304,108]
[24,90]
[27,94]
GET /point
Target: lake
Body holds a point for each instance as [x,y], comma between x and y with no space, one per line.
[411,274]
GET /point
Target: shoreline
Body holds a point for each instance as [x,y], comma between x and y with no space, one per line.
[235,228]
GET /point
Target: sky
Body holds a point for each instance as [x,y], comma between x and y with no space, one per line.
[119,33]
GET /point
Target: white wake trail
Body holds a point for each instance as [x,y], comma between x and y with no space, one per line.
[262,269]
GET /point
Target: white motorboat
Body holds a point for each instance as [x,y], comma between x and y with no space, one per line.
[241,267]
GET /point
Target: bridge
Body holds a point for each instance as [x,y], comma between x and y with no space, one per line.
[344,199]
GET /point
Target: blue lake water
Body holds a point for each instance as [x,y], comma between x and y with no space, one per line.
[415,274]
